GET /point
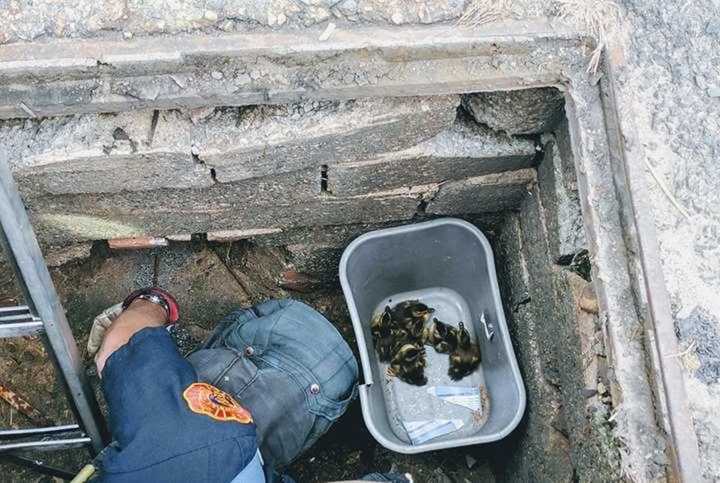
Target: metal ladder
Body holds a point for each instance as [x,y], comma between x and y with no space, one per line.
[42,315]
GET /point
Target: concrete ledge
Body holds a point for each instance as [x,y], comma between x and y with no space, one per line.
[69,77]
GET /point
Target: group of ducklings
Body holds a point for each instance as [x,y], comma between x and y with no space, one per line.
[401,333]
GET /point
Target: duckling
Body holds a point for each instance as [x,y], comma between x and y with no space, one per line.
[441,336]
[465,358]
[400,336]
[381,321]
[412,309]
[408,365]
[414,328]
[381,328]
[411,315]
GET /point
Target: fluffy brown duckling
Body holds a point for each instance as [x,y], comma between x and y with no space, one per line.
[412,309]
[381,328]
[440,336]
[411,315]
[408,364]
[465,358]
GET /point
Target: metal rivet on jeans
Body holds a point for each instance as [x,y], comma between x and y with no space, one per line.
[249,351]
[314,389]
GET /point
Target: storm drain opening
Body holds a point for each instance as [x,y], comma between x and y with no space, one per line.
[230,169]
[502,160]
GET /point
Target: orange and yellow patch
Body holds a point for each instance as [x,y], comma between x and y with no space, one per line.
[205,399]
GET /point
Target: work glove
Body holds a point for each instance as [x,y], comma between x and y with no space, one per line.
[100,326]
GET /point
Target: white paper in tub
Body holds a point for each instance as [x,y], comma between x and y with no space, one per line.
[468,397]
[423,431]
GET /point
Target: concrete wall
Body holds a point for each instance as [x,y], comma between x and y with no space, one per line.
[566,434]
[261,168]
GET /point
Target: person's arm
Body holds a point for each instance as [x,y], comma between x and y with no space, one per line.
[139,315]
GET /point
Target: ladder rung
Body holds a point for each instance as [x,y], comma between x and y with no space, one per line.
[23,432]
[18,322]
[16,318]
[46,444]
[14,309]
[13,439]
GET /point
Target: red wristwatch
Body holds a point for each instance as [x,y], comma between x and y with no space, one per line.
[157,296]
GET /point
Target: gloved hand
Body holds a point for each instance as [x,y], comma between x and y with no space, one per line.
[100,326]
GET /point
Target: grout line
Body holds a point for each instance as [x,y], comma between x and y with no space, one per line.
[156,270]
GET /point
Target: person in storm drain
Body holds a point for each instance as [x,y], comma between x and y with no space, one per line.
[264,386]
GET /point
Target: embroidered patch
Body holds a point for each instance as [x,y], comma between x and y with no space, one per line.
[205,399]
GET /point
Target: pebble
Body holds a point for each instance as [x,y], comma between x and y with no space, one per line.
[601,389]
[470,461]
[216,74]
[211,15]
[397,18]
[713,91]
[127,35]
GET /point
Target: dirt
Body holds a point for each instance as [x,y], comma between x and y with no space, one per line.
[209,280]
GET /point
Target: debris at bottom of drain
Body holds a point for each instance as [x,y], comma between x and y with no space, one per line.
[423,431]
[468,397]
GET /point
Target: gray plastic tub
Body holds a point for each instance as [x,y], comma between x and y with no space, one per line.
[448,264]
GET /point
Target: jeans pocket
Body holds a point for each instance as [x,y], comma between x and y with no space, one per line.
[225,369]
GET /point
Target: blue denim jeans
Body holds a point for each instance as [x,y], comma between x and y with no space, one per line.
[289,366]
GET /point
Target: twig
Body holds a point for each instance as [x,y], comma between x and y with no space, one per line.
[666,190]
[685,352]
[22,406]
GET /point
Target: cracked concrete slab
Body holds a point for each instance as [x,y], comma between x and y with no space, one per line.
[462,150]
[146,150]
[105,153]
[517,112]
[243,143]
[560,198]
[482,194]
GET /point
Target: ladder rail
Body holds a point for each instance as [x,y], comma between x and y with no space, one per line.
[22,250]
